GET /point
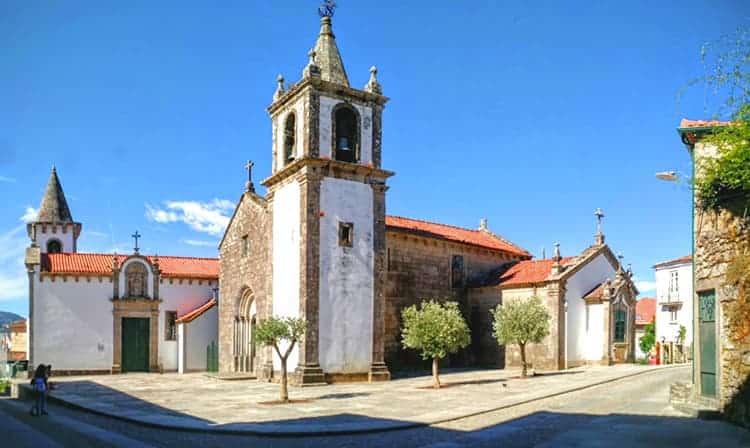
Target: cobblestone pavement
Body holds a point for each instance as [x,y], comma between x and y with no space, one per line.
[627,413]
[196,401]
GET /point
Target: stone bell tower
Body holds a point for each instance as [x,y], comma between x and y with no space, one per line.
[327,196]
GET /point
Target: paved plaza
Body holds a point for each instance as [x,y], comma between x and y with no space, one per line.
[200,402]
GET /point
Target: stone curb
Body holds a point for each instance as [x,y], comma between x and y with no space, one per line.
[297,430]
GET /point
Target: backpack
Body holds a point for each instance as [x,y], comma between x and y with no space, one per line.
[39,385]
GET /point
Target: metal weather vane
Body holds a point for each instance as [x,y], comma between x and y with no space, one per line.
[327,9]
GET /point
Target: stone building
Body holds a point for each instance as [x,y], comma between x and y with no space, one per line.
[722,364]
[108,313]
[319,245]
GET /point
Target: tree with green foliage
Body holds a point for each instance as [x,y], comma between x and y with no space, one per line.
[681,335]
[521,322]
[646,342]
[273,331]
[723,182]
[436,330]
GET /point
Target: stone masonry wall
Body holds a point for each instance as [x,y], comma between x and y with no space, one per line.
[238,272]
[714,249]
[420,268]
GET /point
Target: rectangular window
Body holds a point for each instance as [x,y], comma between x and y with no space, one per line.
[620,325]
[170,325]
[457,271]
[674,282]
[673,315]
[245,246]
[346,234]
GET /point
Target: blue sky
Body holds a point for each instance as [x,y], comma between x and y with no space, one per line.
[530,116]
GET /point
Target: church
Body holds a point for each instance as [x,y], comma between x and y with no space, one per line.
[318,245]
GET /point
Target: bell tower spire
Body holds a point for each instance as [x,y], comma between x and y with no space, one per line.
[327,53]
[54,229]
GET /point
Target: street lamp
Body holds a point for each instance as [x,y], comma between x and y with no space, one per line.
[670,176]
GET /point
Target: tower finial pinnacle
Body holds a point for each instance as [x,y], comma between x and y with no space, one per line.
[327,9]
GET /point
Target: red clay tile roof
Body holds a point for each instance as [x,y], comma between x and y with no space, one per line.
[530,271]
[686,124]
[196,313]
[596,293]
[18,326]
[101,264]
[478,238]
[681,260]
[645,310]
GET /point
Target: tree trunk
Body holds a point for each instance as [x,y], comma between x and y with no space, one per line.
[284,391]
[523,360]
[435,373]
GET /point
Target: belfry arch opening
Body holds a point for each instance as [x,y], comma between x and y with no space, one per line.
[290,130]
[346,134]
[54,247]
[243,346]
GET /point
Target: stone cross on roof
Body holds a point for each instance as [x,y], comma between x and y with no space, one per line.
[249,184]
[599,235]
[135,236]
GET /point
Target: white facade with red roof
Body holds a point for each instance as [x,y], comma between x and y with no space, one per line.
[674,299]
[78,301]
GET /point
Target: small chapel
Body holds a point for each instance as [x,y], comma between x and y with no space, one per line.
[317,244]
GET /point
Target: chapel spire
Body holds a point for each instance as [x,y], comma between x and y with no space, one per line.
[327,56]
[54,207]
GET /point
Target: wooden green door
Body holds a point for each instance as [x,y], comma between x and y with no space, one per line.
[707,324]
[135,344]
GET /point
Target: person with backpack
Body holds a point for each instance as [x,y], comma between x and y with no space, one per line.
[41,387]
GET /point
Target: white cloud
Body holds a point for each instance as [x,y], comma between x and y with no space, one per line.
[201,243]
[645,286]
[30,214]
[7,179]
[96,234]
[205,217]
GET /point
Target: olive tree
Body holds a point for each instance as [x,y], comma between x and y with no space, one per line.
[273,331]
[521,322]
[436,330]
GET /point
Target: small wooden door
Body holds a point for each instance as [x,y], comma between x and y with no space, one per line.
[135,337]
[707,324]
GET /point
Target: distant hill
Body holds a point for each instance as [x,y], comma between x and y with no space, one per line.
[8,317]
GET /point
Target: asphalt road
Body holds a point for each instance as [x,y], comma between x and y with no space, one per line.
[632,412]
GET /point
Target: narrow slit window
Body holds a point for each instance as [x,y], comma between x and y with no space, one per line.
[170,325]
[245,246]
[346,234]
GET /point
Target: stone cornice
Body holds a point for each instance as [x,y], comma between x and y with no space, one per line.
[324,86]
[328,168]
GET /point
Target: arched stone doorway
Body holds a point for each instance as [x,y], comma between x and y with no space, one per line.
[243,349]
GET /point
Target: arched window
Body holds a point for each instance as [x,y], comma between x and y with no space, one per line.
[290,129]
[346,133]
[54,247]
[136,276]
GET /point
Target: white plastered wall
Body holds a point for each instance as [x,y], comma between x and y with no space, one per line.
[582,344]
[286,258]
[73,323]
[182,298]
[326,128]
[197,336]
[346,278]
[55,232]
